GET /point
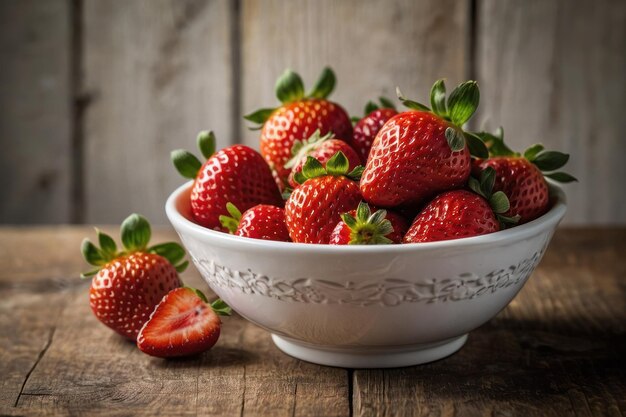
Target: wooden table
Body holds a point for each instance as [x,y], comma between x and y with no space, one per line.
[557,350]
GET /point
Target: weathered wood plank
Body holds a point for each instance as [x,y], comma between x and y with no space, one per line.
[553,72]
[556,350]
[35,111]
[156,72]
[373,46]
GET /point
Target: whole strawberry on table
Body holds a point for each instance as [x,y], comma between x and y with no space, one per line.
[138,293]
[397,177]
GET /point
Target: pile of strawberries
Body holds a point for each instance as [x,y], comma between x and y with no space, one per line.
[392,177]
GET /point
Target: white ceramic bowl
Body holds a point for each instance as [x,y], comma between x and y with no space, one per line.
[367,306]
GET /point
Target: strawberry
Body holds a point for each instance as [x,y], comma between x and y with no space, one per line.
[182,324]
[129,284]
[367,128]
[420,153]
[321,148]
[259,222]
[236,174]
[521,177]
[460,213]
[315,207]
[361,227]
[298,117]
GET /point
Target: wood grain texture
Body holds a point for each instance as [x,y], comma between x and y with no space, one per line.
[553,72]
[35,111]
[56,359]
[156,73]
[373,47]
[556,350]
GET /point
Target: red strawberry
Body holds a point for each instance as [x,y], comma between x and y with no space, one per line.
[521,177]
[236,174]
[298,117]
[259,222]
[182,324]
[461,213]
[314,208]
[321,148]
[419,153]
[367,128]
[128,285]
[361,227]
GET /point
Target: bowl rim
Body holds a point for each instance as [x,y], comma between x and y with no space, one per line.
[541,224]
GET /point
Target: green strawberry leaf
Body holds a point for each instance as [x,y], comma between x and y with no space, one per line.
[463,102]
[312,168]
[474,185]
[289,87]
[221,308]
[181,267]
[324,85]
[363,211]
[92,254]
[107,244]
[476,146]
[550,160]
[499,202]
[386,103]
[198,293]
[414,105]
[231,223]
[455,139]
[338,164]
[185,163]
[89,274]
[378,218]
[135,231]
[206,143]
[171,251]
[349,220]
[495,143]
[487,181]
[561,177]
[532,151]
[438,98]
[260,116]
[506,221]
[370,107]
[299,178]
[356,173]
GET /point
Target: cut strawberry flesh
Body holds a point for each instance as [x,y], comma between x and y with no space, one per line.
[182,324]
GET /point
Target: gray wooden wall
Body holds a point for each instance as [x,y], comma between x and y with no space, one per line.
[95,93]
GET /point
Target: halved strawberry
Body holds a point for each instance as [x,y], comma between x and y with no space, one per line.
[259,222]
[321,148]
[460,213]
[366,128]
[361,227]
[183,323]
[298,117]
[128,284]
[420,153]
[521,176]
[236,174]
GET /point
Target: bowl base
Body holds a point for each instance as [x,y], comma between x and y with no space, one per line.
[387,357]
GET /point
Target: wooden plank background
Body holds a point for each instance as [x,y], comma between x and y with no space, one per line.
[94,94]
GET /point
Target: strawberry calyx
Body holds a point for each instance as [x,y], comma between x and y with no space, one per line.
[290,88]
[303,147]
[231,223]
[498,201]
[186,163]
[135,235]
[458,109]
[371,106]
[218,306]
[367,228]
[336,166]
[548,162]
